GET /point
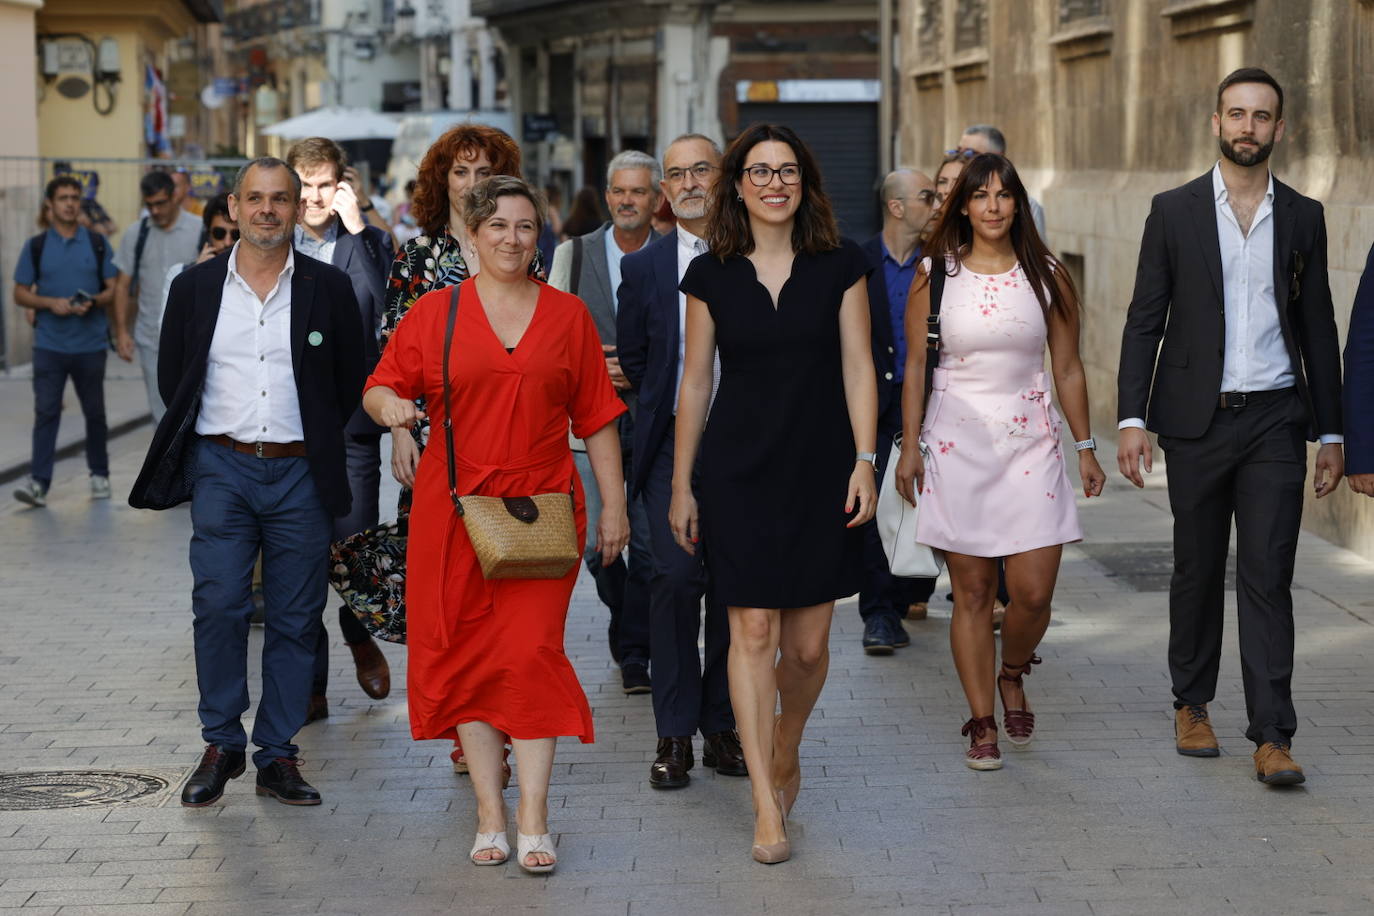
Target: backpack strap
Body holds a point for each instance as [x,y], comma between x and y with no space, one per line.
[98,248]
[143,227]
[36,253]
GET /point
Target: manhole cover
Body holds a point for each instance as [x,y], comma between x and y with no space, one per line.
[1144,566]
[74,789]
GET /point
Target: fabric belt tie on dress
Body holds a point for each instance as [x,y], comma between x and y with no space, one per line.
[1234,400]
[260,449]
[545,457]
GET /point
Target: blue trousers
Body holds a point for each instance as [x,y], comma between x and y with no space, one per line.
[240,505]
[688,696]
[881,592]
[50,373]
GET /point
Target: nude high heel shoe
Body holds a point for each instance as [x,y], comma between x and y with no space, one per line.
[773,853]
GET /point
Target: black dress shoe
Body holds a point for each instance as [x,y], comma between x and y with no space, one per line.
[635,679]
[281,779]
[374,674]
[217,766]
[723,754]
[318,709]
[674,760]
[880,637]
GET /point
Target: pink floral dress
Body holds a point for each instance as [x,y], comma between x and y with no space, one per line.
[995,482]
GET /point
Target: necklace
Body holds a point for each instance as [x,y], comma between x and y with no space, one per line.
[469,253]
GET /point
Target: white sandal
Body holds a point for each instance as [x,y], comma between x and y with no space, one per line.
[487,841]
[526,844]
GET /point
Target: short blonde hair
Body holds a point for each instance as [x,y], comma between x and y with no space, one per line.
[479,203]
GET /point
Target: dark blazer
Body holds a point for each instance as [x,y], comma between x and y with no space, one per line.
[880,317]
[1359,377]
[648,338]
[1179,300]
[366,258]
[329,377]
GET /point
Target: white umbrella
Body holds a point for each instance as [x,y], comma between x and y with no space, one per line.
[336,124]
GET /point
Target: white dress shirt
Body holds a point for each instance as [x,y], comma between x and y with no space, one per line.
[250,384]
[688,248]
[1255,357]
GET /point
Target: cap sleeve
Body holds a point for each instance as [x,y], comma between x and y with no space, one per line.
[594,402]
[697,280]
[855,261]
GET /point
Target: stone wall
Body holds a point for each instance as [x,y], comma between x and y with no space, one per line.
[1106,102]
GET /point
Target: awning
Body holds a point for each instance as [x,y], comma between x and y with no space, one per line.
[336,124]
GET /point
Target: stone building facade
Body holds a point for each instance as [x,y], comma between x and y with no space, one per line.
[1107,102]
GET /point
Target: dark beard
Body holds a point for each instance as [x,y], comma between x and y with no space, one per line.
[1246,159]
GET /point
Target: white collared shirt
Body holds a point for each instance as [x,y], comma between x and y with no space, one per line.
[688,248]
[613,257]
[250,384]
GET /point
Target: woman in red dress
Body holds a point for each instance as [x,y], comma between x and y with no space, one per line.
[486,655]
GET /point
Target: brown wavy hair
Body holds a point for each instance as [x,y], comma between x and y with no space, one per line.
[430,205]
[953,235]
[813,227]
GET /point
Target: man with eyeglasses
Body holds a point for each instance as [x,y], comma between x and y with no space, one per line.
[984,138]
[908,201]
[689,697]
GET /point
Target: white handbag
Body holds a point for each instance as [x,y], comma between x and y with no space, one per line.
[897,528]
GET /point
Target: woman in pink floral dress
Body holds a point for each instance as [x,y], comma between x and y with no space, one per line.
[993,481]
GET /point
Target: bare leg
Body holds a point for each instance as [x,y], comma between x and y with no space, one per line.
[533,766]
[805,661]
[970,628]
[1030,582]
[754,638]
[484,746]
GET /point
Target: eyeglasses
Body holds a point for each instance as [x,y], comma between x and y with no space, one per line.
[219,232]
[925,197]
[700,171]
[963,151]
[761,175]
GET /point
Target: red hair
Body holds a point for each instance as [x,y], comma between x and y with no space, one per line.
[430,205]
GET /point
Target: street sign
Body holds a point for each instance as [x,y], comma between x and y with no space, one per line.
[537,127]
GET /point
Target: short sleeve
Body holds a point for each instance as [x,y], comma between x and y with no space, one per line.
[401,367]
[854,262]
[107,270]
[594,402]
[23,268]
[124,258]
[697,280]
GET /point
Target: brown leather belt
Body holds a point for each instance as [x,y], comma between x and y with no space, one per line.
[1234,400]
[260,449]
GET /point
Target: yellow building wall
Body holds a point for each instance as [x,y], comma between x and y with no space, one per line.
[71,128]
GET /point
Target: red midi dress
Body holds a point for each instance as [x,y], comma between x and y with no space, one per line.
[491,650]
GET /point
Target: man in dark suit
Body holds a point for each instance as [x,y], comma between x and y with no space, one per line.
[1359,386]
[588,266]
[1229,354]
[261,364]
[332,229]
[688,696]
[908,200]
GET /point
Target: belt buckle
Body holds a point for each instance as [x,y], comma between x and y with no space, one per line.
[257,449]
[1235,399]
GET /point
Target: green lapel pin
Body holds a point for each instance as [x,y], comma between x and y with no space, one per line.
[315,338]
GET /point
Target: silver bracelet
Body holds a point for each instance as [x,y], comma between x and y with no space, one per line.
[1083,445]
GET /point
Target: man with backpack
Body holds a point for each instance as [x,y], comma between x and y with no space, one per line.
[167,235]
[65,274]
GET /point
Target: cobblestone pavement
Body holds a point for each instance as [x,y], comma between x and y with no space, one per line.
[1100,816]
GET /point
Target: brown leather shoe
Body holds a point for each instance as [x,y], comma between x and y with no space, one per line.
[722,753]
[318,709]
[1274,766]
[374,675]
[669,771]
[1193,735]
[917,610]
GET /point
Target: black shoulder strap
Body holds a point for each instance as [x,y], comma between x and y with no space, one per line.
[575,278]
[448,412]
[36,252]
[143,226]
[936,279]
[98,249]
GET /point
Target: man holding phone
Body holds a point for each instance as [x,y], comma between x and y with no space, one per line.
[66,276]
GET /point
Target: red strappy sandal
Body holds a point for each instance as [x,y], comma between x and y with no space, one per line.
[1020,723]
[984,756]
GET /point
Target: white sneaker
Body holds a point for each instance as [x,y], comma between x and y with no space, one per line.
[100,487]
[33,494]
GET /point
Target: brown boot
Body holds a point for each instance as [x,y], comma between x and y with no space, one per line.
[1275,767]
[1193,735]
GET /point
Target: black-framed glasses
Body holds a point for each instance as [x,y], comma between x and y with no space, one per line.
[760,176]
[700,171]
[962,151]
[219,232]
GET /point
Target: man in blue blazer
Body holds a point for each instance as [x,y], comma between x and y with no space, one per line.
[908,200]
[688,697]
[260,365]
[1359,386]
[332,228]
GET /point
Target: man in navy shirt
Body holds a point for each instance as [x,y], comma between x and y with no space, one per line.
[66,275]
[908,201]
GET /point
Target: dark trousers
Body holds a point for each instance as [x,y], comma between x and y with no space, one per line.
[50,373]
[364,457]
[240,505]
[881,592]
[1251,463]
[687,695]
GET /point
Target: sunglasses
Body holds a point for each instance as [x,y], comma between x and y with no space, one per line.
[962,151]
[219,232]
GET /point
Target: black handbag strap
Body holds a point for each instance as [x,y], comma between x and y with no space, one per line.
[936,279]
[448,411]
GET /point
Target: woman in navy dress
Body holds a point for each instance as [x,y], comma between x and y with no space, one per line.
[786,473]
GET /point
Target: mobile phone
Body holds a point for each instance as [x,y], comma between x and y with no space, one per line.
[81,297]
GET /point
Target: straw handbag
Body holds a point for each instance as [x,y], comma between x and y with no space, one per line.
[515,537]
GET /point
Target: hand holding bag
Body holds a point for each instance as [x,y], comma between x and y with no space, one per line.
[514,537]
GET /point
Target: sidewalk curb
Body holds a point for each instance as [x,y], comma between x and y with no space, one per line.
[16,471]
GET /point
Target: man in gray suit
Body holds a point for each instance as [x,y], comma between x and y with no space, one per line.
[588,266]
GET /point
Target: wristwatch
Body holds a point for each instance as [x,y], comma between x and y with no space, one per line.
[369,208]
[870,457]
[1085,444]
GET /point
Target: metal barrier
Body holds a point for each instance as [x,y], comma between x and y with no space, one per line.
[111,203]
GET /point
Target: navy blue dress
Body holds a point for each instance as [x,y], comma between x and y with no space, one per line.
[778,449]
